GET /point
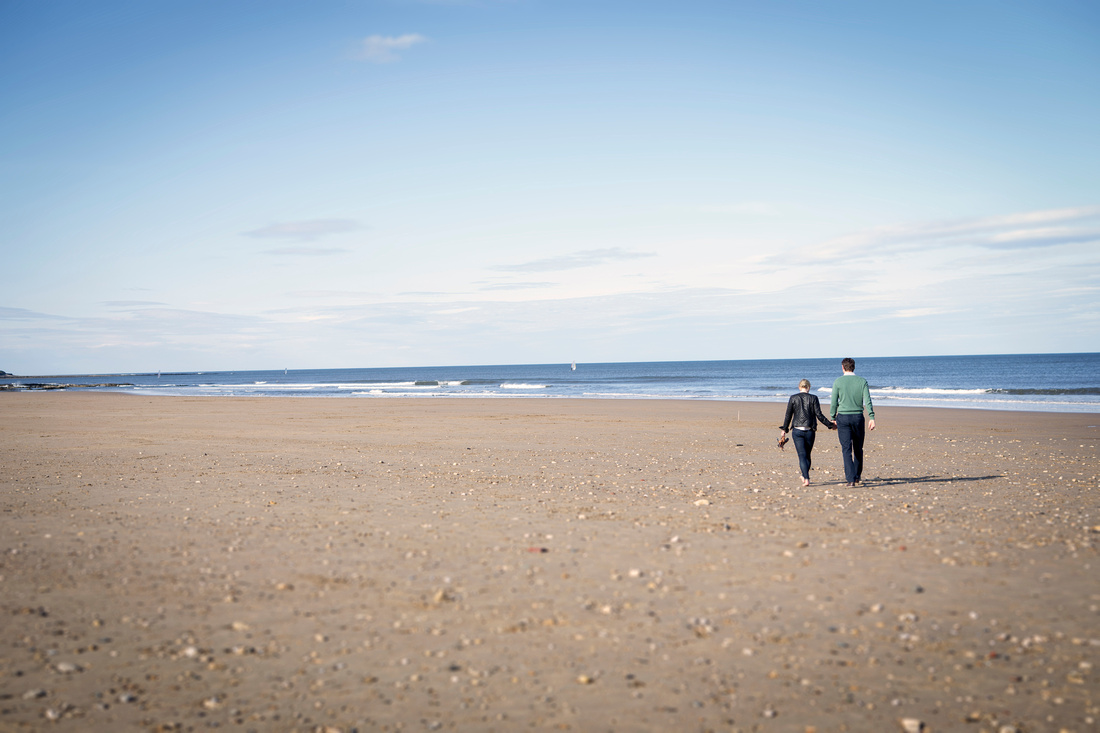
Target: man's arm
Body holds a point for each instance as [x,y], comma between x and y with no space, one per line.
[870,407]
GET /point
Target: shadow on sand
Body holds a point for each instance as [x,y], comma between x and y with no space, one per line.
[926,480]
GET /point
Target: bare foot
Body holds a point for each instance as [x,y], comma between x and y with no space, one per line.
[805,482]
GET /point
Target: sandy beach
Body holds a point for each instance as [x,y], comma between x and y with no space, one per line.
[497,565]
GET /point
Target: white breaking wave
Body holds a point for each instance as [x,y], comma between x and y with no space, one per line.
[888,391]
[423,395]
[917,391]
[523,386]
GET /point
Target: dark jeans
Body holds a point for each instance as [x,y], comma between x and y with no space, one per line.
[851,431]
[804,444]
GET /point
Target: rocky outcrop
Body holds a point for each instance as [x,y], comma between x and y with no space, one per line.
[23,386]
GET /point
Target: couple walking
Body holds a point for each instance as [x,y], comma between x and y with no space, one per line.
[850,395]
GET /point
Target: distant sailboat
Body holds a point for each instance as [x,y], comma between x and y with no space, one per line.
[574,367]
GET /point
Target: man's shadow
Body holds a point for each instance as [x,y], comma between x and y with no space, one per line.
[926,480]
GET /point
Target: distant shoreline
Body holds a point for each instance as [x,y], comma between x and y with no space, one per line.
[655,402]
[1068,383]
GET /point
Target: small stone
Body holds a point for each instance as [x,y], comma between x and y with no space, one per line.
[126,697]
[33,694]
[702,502]
[66,667]
[240,626]
[770,713]
[911,725]
[584,680]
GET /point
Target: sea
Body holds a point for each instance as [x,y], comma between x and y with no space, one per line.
[1037,382]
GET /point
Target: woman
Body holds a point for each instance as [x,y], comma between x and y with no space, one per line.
[803,414]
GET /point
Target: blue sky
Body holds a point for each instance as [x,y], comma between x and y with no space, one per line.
[235,185]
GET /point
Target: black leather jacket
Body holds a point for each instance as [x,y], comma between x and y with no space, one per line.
[804,411]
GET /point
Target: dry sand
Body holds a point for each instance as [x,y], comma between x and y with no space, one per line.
[497,565]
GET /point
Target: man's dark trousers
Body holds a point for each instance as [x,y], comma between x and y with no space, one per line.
[851,430]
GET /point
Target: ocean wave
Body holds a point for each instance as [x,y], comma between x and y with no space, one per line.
[425,394]
[522,385]
[1050,392]
[951,391]
[1020,404]
[926,391]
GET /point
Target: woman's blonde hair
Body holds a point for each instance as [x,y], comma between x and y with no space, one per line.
[804,384]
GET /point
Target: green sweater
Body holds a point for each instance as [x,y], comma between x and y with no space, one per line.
[850,395]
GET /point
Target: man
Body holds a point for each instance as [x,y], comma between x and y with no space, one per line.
[850,396]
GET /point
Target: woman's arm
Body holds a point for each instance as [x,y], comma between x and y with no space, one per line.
[787,418]
[821,416]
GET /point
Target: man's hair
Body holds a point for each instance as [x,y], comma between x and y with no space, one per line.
[848,364]
[804,384]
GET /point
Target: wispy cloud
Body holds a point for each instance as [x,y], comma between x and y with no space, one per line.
[305,231]
[31,337]
[1041,237]
[132,303]
[751,208]
[922,312]
[305,251]
[383,49]
[1028,230]
[575,260]
[22,314]
[517,286]
[312,294]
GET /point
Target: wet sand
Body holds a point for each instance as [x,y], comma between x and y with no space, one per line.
[498,565]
